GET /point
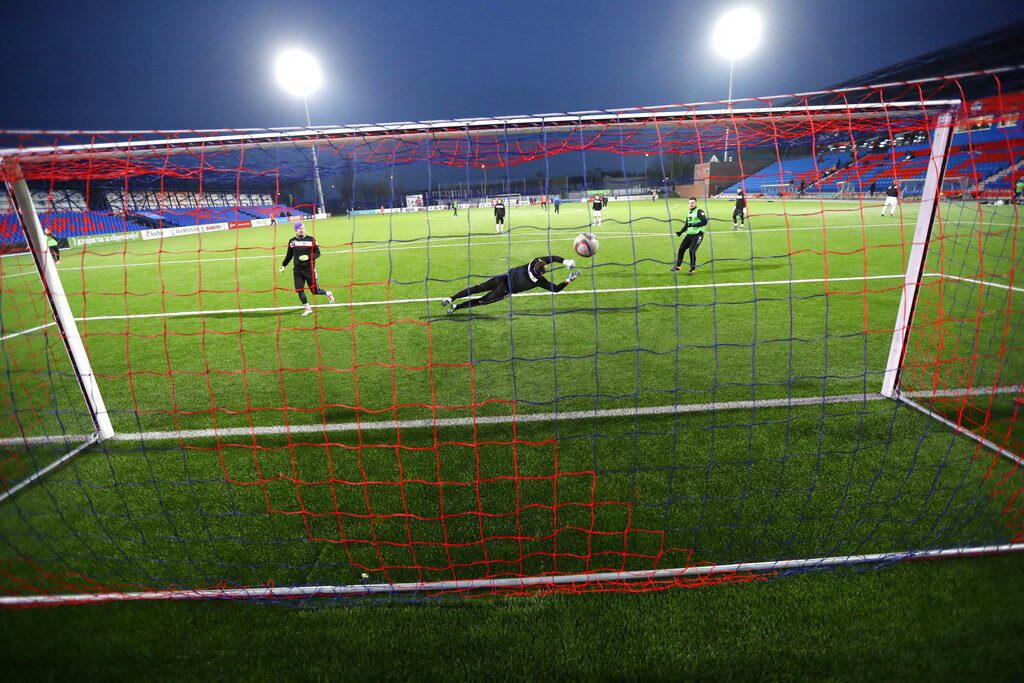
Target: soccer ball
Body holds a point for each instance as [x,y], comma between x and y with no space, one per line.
[585,244]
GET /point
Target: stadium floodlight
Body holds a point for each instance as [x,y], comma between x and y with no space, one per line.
[735,36]
[298,73]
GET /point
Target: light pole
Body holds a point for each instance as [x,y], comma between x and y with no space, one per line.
[735,36]
[299,73]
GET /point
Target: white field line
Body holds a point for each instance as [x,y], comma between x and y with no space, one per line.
[522,418]
[612,290]
[12,335]
[579,292]
[517,583]
[293,307]
[433,243]
[983,283]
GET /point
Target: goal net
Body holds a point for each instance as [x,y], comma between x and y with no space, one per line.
[302,413]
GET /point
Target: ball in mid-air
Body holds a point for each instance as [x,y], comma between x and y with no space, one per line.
[585,244]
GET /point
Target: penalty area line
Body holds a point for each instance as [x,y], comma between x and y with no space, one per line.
[567,292]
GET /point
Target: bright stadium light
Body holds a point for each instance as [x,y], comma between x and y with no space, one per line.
[735,36]
[736,33]
[299,74]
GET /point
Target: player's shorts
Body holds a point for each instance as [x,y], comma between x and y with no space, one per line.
[499,219]
[891,201]
[302,277]
[737,213]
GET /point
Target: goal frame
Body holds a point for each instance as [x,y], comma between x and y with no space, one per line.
[308,137]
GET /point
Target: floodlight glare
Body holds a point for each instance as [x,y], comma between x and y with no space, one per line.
[736,33]
[298,72]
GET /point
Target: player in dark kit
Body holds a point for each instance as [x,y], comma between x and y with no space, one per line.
[516,280]
[499,215]
[740,211]
[305,251]
[696,219]
[598,207]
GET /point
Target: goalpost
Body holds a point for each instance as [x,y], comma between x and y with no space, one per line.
[778,190]
[824,392]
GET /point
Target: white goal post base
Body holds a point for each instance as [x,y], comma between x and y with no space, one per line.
[379,589]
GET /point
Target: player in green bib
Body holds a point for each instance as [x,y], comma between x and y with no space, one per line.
[1018,191]
[696,220]
[54,246]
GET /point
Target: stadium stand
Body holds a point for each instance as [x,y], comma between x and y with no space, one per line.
[984,156]
[68,224]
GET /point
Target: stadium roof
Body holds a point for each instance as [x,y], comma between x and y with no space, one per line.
[1003,47]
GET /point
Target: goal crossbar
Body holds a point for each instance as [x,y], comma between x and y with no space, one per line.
[482,126]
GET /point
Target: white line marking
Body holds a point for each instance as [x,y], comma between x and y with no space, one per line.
[612,290]
[977,282]
[521,583]
[432,243]
[522,418]
[12,335]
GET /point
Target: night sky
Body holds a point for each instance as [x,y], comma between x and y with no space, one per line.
[208,64]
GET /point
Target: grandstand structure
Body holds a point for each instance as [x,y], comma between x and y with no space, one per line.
[986,157]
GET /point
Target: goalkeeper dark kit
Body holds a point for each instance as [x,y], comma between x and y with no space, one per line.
[304,251]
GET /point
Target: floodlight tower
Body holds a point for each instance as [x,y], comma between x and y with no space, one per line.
[299,74]
[735,36]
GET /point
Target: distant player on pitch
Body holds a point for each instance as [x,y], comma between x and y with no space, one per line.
[892,198]
[740,211]
[305,251]
[597,207]
[516,280]
[499,215]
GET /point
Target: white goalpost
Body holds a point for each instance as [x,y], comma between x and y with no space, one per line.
[65,323]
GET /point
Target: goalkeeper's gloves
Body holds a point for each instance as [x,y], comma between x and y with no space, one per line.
[281,269]
[304,257]
[572,276]
[679,233]
[569,263]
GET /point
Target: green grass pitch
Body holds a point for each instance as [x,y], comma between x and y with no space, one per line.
[201,337]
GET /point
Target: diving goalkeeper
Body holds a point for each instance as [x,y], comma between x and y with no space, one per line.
[304,249]
[515,281]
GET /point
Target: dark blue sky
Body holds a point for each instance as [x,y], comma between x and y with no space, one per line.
[208,64]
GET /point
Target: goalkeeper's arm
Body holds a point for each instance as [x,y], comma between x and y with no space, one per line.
[287,257]
[547,284]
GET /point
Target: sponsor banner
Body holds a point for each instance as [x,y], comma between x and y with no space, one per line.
[103,239]
[183,230]
[414,201]
[260,222]
[238,225]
